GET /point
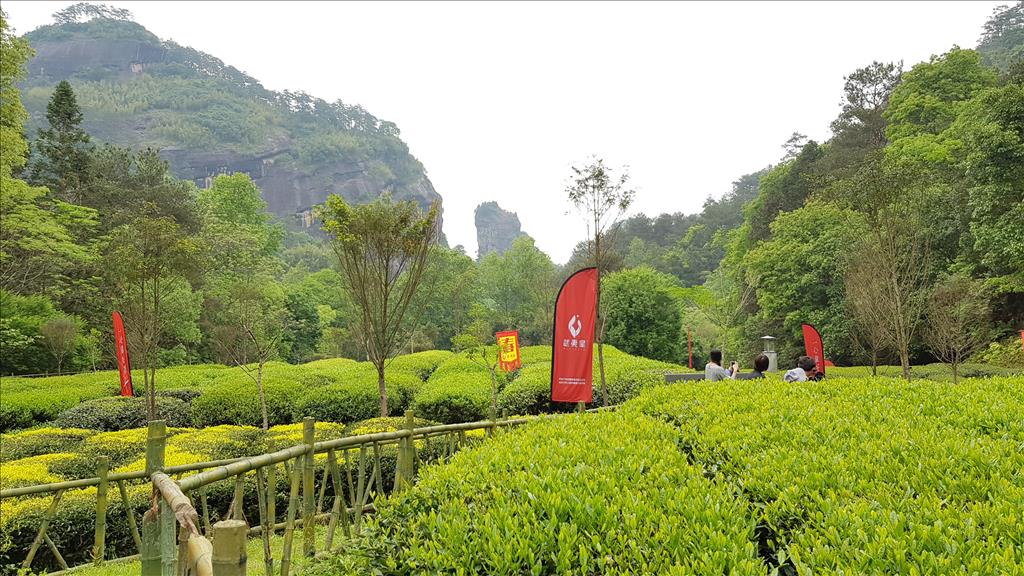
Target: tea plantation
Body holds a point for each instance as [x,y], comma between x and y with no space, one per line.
[845,476]
[851,475]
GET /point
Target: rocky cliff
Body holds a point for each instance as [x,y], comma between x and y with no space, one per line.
[495,228]
[208,118]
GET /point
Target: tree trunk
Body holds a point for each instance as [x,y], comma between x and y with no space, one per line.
[494,393]
[383,390]
[599,329]
[874,362]
[954,366]
[905,362]
[263,397]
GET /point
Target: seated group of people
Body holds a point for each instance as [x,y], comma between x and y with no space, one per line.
[805,369]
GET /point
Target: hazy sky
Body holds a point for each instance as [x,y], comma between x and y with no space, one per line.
[498,100]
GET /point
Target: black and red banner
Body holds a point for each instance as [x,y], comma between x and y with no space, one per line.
[572,344]
[814,348]
[124,367]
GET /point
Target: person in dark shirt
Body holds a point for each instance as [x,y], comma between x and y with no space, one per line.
[760,366]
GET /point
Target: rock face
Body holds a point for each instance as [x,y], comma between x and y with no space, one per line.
[495,228]
[208,118]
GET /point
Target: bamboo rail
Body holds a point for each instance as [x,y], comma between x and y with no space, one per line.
[174,537]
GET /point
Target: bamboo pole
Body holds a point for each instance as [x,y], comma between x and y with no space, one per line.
[265,521]
[289,530]
[56,553]
[99,544]
[129,511]
[229,557]
[168,546]
[360,487]
[308,488]
[42,529]
[150,544]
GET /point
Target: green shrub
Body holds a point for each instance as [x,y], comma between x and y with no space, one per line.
[600,494]
[865,476]
[119,413]
[40,441]
[422,364]
[356,397]
[235,400]
[1006,354]
[464,397]
[183,394]
[30,401]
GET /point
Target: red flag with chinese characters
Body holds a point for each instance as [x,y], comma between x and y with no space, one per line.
[572,345]
[508,350]
[813,347]
[124,367]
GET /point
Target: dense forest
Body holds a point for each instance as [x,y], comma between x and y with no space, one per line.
[912,212]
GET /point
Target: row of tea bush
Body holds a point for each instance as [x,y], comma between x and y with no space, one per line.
[845,476]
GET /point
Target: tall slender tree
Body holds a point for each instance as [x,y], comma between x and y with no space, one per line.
[602,198]
[382,248]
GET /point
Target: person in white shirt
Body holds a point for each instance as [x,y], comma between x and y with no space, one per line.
[714,372]
[803,372]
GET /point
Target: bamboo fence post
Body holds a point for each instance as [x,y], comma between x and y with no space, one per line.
[308,488]
[376,468]
[150,544]
[99,545]
[229,558]
[206,510]
[156,440]
[271,499]
[168,534]
[265,521]
[406,446]
[289,529]
[130,513]
[236,509]
[56,553]
[360,487]
[339,506]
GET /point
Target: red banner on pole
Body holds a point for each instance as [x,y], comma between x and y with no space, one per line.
[813,347]
[572,344]
[508,350]
[124,367]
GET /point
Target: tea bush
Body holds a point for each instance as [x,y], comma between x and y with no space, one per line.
[456,397]
[235,400]
[422,364]
[40,441]
[356,397]
[117,413]
[866,476]
[601,494]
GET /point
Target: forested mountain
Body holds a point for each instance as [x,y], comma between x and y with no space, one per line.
[208,118]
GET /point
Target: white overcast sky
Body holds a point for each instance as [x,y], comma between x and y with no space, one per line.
[498,100]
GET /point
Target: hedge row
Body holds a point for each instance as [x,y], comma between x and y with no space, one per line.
[72,454]
[866,476]
[595,494]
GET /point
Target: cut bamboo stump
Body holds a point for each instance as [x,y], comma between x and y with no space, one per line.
[229,548]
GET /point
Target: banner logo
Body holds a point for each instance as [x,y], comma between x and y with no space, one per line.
[575,326]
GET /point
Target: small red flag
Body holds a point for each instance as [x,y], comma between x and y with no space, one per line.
[813,347]
[124,367]
[572,345]
[508,350]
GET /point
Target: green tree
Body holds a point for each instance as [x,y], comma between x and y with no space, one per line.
[957,320]
[1002,42]
[519,289]
[60,334]
[643,315]
[797,276]
[783,189]
[62,155]
[142,262]
[382,248]
[602,198]
[448,290]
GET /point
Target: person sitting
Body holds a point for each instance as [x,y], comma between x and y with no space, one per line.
[760,366]
[803,372]
[713,371]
